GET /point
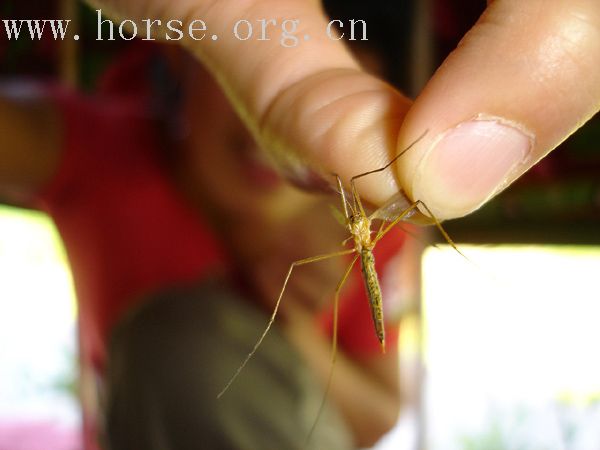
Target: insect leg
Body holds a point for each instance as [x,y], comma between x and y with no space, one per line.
[276,308]
[441,228]
[380,228]
[343,195]
[336,299]
[383,231]
[405,213]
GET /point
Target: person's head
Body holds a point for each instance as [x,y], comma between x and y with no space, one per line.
[233,176]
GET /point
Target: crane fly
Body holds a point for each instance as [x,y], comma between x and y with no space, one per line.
[358,223]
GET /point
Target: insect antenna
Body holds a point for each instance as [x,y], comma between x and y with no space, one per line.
[348,209]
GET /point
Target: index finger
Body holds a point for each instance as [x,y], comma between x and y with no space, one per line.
[300,91]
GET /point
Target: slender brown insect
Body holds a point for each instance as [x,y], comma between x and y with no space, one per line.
[358,224]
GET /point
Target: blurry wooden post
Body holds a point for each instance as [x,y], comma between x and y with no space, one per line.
[69,47]
[422,67]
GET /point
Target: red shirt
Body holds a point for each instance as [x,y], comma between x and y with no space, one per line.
[129,232]
[126,229]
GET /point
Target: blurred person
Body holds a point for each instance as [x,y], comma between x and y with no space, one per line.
[179,236]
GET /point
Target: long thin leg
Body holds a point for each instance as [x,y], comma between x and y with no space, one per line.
[336,302]
[344,200]
[393,223]
[441,228]
[404,213]
[276,308]
[380,228]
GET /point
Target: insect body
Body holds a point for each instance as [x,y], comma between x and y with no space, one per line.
[367,262]
[358,224]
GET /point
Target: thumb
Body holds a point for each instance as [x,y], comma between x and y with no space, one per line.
[520,82]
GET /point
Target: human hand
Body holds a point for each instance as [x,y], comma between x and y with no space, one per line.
[522,80]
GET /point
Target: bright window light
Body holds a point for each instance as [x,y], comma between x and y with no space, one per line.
[511,347]
[37,326]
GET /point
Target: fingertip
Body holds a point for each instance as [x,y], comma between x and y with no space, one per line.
[519,83]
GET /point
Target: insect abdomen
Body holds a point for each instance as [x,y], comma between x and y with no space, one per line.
[367,261]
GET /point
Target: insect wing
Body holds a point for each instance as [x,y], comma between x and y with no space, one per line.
[393,207]
[400,205]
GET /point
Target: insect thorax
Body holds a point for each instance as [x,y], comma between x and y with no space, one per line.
[360,227]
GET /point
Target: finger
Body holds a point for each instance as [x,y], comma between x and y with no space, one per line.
[521,81]
[300,91]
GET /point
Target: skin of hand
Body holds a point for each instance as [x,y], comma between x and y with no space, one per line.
[520,82]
